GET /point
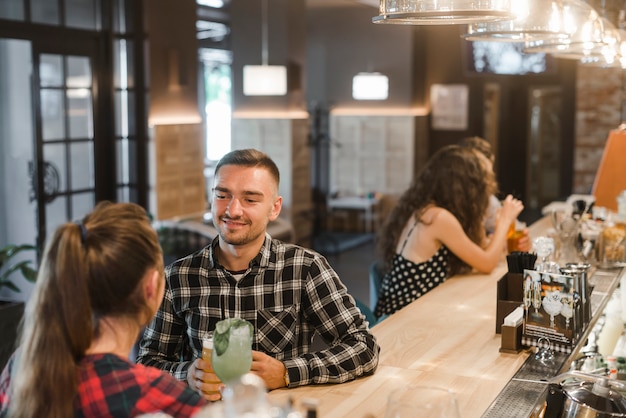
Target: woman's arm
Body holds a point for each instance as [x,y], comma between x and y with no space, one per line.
[447,229]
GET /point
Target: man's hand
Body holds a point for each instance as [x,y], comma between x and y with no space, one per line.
[202,378]
[269,369]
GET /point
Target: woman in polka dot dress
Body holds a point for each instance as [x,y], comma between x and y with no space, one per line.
[436,229]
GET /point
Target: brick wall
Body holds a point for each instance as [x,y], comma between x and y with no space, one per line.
[599,96]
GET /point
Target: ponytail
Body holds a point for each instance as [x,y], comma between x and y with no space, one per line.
[57,332]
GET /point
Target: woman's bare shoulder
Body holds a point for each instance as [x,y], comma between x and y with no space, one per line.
[436,214]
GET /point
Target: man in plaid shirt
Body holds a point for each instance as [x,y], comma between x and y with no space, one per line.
[287,293]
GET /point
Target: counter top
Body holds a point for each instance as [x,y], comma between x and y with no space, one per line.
[446,338]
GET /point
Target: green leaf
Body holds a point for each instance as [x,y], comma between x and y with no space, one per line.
[221,335]
[6,253]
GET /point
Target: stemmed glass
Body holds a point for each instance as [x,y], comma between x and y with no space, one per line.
[552,305]
[528,294]
[567,310]
[536,296]
[544,247]
[232,349]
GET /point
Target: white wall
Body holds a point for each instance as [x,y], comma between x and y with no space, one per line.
[17,213]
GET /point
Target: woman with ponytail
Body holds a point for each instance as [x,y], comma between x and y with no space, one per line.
[100,281]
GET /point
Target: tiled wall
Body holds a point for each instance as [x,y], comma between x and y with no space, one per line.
[599,96]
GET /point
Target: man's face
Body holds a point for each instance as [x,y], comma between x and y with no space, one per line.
[244,201]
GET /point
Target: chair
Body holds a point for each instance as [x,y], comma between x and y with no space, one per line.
[365,310]
[376,278]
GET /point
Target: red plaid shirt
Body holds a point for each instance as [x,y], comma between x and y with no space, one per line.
[111,386]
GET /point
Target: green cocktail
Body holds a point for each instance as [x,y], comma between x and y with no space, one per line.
[232,348]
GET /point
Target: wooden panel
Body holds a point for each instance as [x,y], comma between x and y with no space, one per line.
[179,184]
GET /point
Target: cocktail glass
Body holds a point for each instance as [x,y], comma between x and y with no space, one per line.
[552,305]
[567,310]
[232,348]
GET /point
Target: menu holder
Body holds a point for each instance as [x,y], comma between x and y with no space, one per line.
[554,311]
[510,295]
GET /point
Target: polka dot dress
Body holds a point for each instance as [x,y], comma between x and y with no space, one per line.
[408,281]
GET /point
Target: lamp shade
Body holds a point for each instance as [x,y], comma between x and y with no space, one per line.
[370,86]
[536,20]
[442,12]
[595,37]
[264,80]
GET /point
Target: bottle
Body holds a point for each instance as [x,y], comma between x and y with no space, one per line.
[611,364]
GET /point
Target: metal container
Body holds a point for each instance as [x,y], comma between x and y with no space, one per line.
[580,288]
[589,396]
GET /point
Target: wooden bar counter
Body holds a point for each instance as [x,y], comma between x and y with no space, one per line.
[446,338]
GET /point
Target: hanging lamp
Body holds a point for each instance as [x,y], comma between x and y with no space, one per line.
[595,38]
[536,20]
[264,79]
[442,12]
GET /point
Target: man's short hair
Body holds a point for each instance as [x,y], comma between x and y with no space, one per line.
[249,158]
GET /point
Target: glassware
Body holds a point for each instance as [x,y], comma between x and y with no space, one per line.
[422,401]
[567,308]
[517,231]
[528,295]
[566,226]
[544,247]
[232,348]
[536,296]
[552,304]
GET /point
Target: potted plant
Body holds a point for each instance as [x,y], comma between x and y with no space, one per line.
[11,312]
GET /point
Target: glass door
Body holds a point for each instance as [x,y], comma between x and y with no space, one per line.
[64,169]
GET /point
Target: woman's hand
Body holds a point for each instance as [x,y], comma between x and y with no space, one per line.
[511,208]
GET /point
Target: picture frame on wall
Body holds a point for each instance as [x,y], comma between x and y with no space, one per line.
[449,106]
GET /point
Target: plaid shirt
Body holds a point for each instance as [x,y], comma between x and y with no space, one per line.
[110,386]
[287,293]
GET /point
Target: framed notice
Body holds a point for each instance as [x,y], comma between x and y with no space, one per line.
[449,106]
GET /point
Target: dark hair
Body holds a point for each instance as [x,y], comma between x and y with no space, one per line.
[455,179]
[89,270]
[249,158]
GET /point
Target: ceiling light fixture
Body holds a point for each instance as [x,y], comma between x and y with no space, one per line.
[370,86]
[264,80]
[595,38]
[536,20]
[442,12]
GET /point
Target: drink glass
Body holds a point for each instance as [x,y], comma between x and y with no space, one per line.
[517,231]
[232,349]
[422,401]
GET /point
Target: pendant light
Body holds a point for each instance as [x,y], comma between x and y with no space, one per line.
[594,38]
[264,80]
[442,12]
[536,20]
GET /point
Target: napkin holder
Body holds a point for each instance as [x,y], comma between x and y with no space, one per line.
[511,339]
[510,296]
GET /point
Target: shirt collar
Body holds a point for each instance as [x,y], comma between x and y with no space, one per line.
[262,259]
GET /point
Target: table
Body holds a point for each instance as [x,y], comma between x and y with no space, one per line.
[446,338]
[366,204]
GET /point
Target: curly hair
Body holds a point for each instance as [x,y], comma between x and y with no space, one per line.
[455,178]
